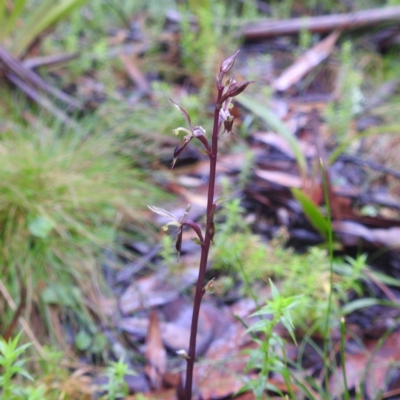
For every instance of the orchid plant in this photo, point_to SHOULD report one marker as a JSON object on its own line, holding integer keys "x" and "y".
{"x": 223, "y": 122}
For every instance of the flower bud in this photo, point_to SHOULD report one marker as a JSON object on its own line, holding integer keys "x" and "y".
{"x": 235, "y": 89}
{"x": 228, "y": 63}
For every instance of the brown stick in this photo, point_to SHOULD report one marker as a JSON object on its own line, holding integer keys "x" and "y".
{"x": 22, "y": 320}
{"x": 324, "y": 23}
{"x": 42, "y": 101}
{"x": 16, "y": 67}
{"x": 56, "y": 59}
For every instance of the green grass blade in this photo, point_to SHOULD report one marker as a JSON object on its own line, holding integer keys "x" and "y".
{"x": 9, "y": 23}
{"x": 330, "y": 299}
{"x": 45, "y": 16}
{"x": 2, "y": 14}
{"x": 277, "y": 125}
{"x": 343, "y": 358}
{"x": 366, "y": 302}
{"x": 318, "y": 221}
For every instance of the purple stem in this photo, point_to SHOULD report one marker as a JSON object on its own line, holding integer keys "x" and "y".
{"x": 205, "y": 248}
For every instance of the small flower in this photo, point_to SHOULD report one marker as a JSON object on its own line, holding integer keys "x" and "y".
{"x": 235, "y": 89}
{"x": 224, "y": 114}
{"x": 179, "y": 223}
{"x": 181, "y": 146}
{"x": 173, "y": 220}
{"x": 198, "y": 132}
{"x": 228, "y": 124}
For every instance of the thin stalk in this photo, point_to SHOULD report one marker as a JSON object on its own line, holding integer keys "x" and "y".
{"x": 343, "y": 358}
{"x": 205, "y": 249}
{"x": 330, "y": 299}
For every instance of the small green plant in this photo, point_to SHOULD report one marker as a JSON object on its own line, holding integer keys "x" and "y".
{"x": 270, "y": 355}
{"x": 116, "y": 387}
{"x": 239, "y": 250}
{"x": 235, "y": 242}
{"x": 203, "y": 42}
{"x": 15, "y": 381}
{"x": 167, "y": 254}
{"x": 339, "y": 114}
{"x": 223, "y": 122}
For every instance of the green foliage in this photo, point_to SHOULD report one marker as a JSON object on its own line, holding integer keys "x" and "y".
{"x": 339, "y": 114}
{"x": 318, "y": 221}
{"x": 11, "y": 365}
{"x": 16, "y": 383}
{"x": 62, "y": 198}
{"x": 237, "y": 249}
{"x": 40, "y": 18}
{"x": 282, "y": 9}
{"x": 168, "y": 253}
{"x": 198, "y": 46}
{"x": 270, "y": 355}
{"x": 212, "y": 35}
{"x": 234, "y": 243}
{"x": 116, "y": 386}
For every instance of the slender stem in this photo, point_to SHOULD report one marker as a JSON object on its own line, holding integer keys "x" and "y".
{"x": 205, "y": 249}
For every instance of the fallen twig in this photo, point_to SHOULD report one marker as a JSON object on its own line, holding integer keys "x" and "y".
{"x": 17, "y": 68}
{"x": 34, "y": 62}
{"x": 134, "y": 73}
{"x": 22, "y": 320}
{"x": 324, "y": 23}
{"x": 309, "y": 60}
{"x": 42, "y": 101}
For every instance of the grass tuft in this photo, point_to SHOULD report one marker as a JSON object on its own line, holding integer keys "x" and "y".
{"x": 62, "y": 199}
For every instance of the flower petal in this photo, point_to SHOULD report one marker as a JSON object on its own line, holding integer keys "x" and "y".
{"x": 184, "y": 113}
{"x": 163, "y": 213}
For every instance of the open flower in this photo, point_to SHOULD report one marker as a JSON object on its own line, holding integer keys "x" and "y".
{"x": 179, "y": 223}
{"x": 191, "y": 132}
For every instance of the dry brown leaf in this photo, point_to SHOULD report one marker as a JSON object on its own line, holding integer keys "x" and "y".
{"x": 155, "y": 354}
{"x": 379, "y": 367}
{"x": 149, "y": 291}
{"x": 309, "y": 60}
{"x": 280, "y": 178}
{"x": 351, "y": 232}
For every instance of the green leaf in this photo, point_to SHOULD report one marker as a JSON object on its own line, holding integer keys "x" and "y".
{"x": 277, "y": 125}
{"x": 99, "y": 343}
{"x": 63, "y": 296}
{"x": 364, "y": 303}
{"x": 318, "y": 221}
{"x": 11, "y": 17}
{"x": 41, "y": 227}
{"x": 83, "y": 340}
{"x": 43, "y": 17}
